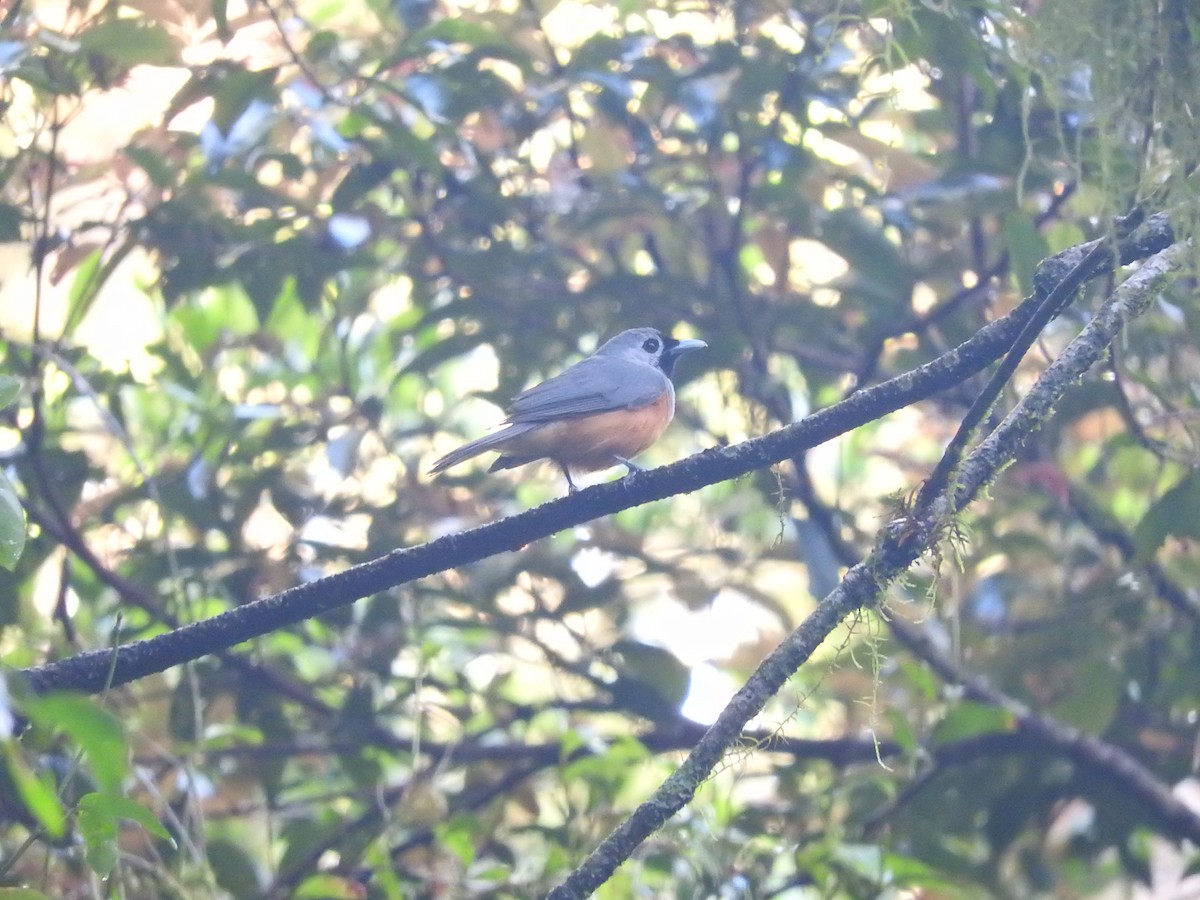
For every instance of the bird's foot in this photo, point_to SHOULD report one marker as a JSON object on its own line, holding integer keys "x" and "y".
{"x": 629, "y": 464}
{"x": 572, "y": 487}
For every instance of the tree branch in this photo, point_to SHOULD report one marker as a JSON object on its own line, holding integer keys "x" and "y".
{"x": 1172, "y": 816}
{"x": 89, "y": 671}
{"x": 899, "y": 544}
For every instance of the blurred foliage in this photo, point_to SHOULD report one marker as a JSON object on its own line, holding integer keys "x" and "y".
{"x": 262, "y": 265}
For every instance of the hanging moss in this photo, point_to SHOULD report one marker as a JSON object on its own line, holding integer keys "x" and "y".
{"x": 1125, "y": 77}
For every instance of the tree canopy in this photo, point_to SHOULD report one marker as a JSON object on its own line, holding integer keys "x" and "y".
{"x": 906, "y": 605}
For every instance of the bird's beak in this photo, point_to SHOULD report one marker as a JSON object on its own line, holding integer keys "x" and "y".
{"x": 675, "y": 349}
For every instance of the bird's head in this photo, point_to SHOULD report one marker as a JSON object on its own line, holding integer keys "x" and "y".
{"x": 649, "y": 345}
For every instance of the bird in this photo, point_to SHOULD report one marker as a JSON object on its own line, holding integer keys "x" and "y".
{"x": 600, "y": 412}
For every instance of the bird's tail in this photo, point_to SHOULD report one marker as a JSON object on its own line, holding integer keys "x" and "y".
{"x": 493, "y": 441}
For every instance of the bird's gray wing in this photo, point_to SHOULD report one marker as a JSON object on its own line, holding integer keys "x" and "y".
{"x": 593, "y": 385}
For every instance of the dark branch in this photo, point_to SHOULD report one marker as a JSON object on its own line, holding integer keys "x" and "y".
{"x": 1168, "y": 812}
{"x": 89, "y": 671}
{"x": 899, "y": 544}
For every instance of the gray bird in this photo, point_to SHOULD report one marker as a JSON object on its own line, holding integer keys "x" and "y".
{"x": 600, "y": 412}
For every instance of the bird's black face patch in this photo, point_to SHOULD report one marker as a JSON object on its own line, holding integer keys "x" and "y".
{"x": 667, "y": 361}
{"x": 673, "y": 348}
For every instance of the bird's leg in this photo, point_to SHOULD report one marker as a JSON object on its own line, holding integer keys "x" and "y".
{"x": 628, "y": 463}
{"x": 571, "y": 486}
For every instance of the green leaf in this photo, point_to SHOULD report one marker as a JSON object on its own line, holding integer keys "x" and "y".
{"x": 98, "y": 828}
{"x": 46, "y": 74}
{"x": 10, "y": 223}
{"x": 85, "y": 286}
{"x": 116, "y": 807}
{"x": 233, "y": 868}
{"x": 1193, "y": 866}
{"x": 920, "y": 679}
{"x": 221, "y": 18}
{"x": 157, "y": 168}
{"x": 1026, "y": 248}
{"x": 9, "y": 388}
{"x": 865, "y": 860}
{"x": 909, "y": 872}
{"x": 37, "y": 795}
{"x": 970, "y": 719}
{"x": 877, "y": 269}
{"x": 236, "y": 89}
{"x": 99, "y": 824}
{"x": 902, "y": 731}
{"x": 97, "y": 732}
{"x": 652, "y": 680}
{"x": 130, "y": 41}
{"x": 325, "y": 887}
{"x": 611, "y": 766}
{"x": 359, "y": 180}
{"x": 1095, "y": 697}
{"x": 1174, "y": 514}
{"x": 12, "y": 524}
{"x": 458, "y": 837}
{"x": 21, "y": 894}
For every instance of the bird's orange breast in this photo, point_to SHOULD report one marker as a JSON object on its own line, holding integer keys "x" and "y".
{"x": 589, "y": 443}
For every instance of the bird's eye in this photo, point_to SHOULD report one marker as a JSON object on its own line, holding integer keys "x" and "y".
{"x": 651, "y": 345}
